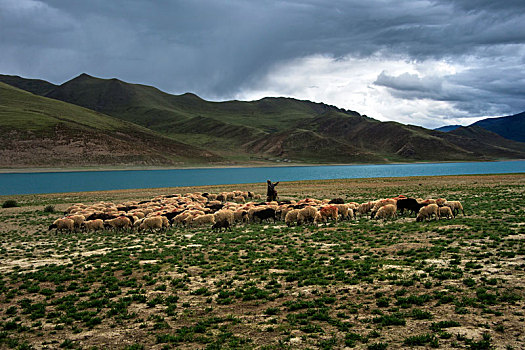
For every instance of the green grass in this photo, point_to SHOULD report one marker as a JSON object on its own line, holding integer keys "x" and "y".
{"x": 362, "y": 284}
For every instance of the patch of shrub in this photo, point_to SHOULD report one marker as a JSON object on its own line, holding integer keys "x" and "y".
{"x": 49, "y": 209}
{"x": 10, "y": 203}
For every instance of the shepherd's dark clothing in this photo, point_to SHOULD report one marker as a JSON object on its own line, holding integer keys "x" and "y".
{"x": 271, "y": 193}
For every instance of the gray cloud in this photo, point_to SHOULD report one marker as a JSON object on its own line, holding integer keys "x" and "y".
{"x": 220, "y": 48}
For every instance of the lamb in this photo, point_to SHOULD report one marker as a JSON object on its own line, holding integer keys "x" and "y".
{"x": 386, "y": 212}
{"x": 427, "y": 212}
{"x": 63, "y": 224}
{"x": 203, "y": 220}
{"x": 291, "y": 217}
{"x": 93, "y": 225}
{"x": 455, "y": 206}
{"x": 445, "y": 212}
{"x": 151, "y": 223}
{"x": 306, "y": 214}
{"x": 219, "y": 225}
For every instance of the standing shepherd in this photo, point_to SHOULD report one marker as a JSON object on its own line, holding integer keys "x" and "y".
{"x": 271, "y": 194}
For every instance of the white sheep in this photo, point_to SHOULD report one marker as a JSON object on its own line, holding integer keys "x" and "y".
{"x": 63, "y": 224}
{"x": 151, "y": 223}
{"x": 388, "y": 211}
{"x": 93, "y": 225}
{"x": 427, "y": 212}
{"x": 445, "y": 212}
{"x": 291, "y": 217}
{"x": 307, "y": 214}
{"x": 206, "y": 219}
{"x": 455, "y": 206}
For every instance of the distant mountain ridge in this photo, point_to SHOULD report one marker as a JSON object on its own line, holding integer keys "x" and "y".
{"x": 511, "y": 127}
{"x": 272, "y": 129}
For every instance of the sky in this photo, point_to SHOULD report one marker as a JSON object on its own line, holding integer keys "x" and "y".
{"x": 428, "y": 63}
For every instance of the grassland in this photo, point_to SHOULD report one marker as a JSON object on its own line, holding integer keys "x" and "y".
{"x": 361, "y": 284}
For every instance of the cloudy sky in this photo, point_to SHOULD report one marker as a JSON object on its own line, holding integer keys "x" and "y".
{"x": 428, "y": 63}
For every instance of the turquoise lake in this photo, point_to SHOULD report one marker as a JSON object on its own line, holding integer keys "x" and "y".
{"x": 76, "y": 181}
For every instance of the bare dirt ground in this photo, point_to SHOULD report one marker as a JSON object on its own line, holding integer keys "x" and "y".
{"x": 361, "y": 284}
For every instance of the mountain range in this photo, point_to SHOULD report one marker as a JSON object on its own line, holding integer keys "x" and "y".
{"x": 90, "y": 121}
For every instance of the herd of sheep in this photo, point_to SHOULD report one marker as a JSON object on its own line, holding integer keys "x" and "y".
{"x": 223, "y": 210}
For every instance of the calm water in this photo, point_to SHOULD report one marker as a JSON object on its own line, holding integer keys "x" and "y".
{"x": 24, "y": 183}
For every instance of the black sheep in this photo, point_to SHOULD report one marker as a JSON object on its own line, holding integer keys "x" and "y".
{"x": 219, "y": 225}
{"x": 409, "y": 204}
{"x": 265, "y": 214}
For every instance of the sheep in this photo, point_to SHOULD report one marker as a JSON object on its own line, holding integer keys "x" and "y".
{"x": 455, "y": 206}
{"x": 264, "y": 214}
{"x": 240, "y": 215}
{"x": 329, "y": 211}
{"x": 203, "y": 219}
{"x": 291, "y": 217}
{"x": 386, "y": 211}
{"x": 410, "y": 204}
{"x": 118, "y": 223}
{"x": 344, "y": 212}
{"x": 151, "y": 223}
{"x": 219, "y": 225}
{"x": 427, "y": 212}
{"x": 62, "y": 224}
{"x": 382, "y": 203}
{"x": 77, "y": 219}
{"x": 365, "y": 207}
{"x": 441, "y": 202}
{"x": 93, "y": 225}
{"x": 445, "y": 212}
{"x": 224, "y": 215}
{"x": 306, "y": 214}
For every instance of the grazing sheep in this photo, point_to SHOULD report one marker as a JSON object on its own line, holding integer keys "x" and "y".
{"x": 118, "y": 223}
{"x": 151, "y": 223}
{"x": 219, "y": 225}
{"x": 63, "y": 224}
{"x": 441, "y": 202}
{"x": 329, "y": 211}
{"x": 455, "y": 206}
{"x": 388, "y": 211}
{"x": 344, "y": 211}
{"x": 78, "y": 220}
{"x": 410, "y": 204}
{"x": 239, "y": 199}
{"x": 445, "y": 212}
{"x": 306, "y": 214}
{"x": 224, "y": 215}
{"x": 264, "y": 214}
{"x": 93, "y": 225}
{"x": 427, "y": 212}
{"x": 206, "y": 219}
{"x": 240, "y": 216}
{"x": 365, "y": 208}
{"x": 291, "y": 217}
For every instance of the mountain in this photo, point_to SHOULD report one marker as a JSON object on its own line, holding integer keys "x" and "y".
{"x": 36, "y": 86}
{"x": 39, "y": 131}
{"x": 273, "y": 129}
{"x": 447, "y": 128}
{"x": 511, "y": 127}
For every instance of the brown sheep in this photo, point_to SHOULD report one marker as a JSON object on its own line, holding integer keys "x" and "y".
{"x": 386, "y": 212}
{"x": 427, "y": 212}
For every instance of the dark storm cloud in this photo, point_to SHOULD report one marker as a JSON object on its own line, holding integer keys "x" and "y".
{"x": 218, "y": 48}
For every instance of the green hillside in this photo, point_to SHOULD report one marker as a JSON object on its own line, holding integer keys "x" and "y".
{"x": 38, "y": 131}
{"x": 270, "y": 129}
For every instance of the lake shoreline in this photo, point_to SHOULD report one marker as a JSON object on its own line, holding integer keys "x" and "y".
{"x": 31, "y": 170}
